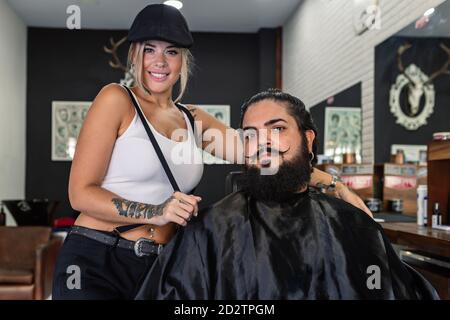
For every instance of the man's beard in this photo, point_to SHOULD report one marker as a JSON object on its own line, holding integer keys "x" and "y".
{"x": 292, "y": 176}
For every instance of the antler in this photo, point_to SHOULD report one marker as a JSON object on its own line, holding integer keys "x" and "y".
{"x": 400, "y": 52}
{"x": 444, "y": 69}
{"x": 116, "y": 64}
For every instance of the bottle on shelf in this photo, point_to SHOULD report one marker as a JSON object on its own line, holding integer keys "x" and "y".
{"x": 436, "y": 219}
{"x": 422, "y": 205}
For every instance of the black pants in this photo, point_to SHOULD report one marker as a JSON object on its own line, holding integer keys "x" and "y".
{"x": 88, "y": 269}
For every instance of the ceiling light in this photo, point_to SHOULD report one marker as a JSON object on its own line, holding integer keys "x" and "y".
{"x": 429, "y": 12}
{"x": 174, "y": 3}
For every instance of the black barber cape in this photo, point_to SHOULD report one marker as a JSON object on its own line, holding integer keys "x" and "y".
{"x": 312, "y": 247}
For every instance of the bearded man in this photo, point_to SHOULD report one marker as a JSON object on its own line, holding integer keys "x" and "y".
{"x": 277, "y": 238}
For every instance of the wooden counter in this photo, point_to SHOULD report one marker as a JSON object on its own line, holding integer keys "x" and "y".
{"x": 425, "y": 239}
{"x": 431, "y": 242}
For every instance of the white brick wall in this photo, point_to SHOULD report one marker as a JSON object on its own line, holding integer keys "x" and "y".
{"x": 322, "y": 55}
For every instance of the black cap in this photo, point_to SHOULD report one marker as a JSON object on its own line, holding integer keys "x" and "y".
{"x": 161, "y": 22}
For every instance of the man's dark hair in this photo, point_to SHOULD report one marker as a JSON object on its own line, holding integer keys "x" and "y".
{"x": 295, "y": 107}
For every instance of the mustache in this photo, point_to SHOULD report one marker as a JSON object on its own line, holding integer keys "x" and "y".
{"x": 263, "y": 149}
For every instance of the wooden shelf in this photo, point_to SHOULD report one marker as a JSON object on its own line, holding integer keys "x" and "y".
{"x": 439, "y": 178}
{"x": 439, "y": 150}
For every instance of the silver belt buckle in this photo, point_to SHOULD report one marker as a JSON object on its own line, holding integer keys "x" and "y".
{"x": 138, "y": 247}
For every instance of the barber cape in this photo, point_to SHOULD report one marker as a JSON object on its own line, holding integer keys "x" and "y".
{"x": 312, "y": 247}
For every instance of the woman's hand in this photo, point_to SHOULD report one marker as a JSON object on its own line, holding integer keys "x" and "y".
{"x": 341, "y": 191}
{"x": 179, "y": 208}
{"x": 344, "y": 193}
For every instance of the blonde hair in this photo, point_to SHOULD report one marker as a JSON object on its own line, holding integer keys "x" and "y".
{"x": 136, "y": 65}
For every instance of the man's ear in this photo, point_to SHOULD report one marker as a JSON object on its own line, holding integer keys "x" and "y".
{"x": 310, "y": 136}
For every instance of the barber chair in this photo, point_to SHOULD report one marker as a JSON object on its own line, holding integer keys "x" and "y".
{"x": 233, "y": 182}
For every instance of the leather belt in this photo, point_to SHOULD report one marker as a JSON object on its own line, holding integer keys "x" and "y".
{"x": 141, "y": 247}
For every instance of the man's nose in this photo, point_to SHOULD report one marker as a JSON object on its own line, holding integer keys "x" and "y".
{"x": 265, "y": 137}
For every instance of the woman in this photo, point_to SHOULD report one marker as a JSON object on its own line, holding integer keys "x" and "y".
{"x": 123, "y": 174}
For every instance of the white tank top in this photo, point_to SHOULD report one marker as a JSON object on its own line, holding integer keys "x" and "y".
{"x": 135, "y": 172}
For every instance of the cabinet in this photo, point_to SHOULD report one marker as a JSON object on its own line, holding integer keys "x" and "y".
{"x": 439, "y": 178}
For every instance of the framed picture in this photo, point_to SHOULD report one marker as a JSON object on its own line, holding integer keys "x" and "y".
{"x": 222, "y": 113}
{"x": 342, "y": 132}
{"x": 67, "y": 119}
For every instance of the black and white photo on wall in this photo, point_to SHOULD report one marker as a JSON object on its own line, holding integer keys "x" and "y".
{"x": 339, "y": 125}
{"x": 67, "y": 120}
{"x": 222, "y": 113}
{"x": 342, "y": 132}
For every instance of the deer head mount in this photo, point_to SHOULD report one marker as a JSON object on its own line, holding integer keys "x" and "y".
{"x": 418, "y": 85}
{"x": 115, "y": 63}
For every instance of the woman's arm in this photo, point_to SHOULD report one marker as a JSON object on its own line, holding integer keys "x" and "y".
{"x": 93, "y": 153}
{"x": 341, "y": 191}
{"x": 218, "y": 139}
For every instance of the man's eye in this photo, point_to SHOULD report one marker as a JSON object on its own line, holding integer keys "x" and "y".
{"x": 279, "y": 129}
{"x": 250, "y": 135}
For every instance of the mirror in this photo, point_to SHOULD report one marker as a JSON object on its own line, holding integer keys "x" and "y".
{"x": 412, "y": 85}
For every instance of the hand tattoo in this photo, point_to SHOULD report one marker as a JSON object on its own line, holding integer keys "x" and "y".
{"x": 138, "y": 210}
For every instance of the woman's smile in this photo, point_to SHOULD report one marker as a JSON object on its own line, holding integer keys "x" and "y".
{"x": 158, "y": 76}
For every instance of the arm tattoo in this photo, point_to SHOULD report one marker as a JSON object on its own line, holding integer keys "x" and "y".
{"x": 138, "y": 210}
